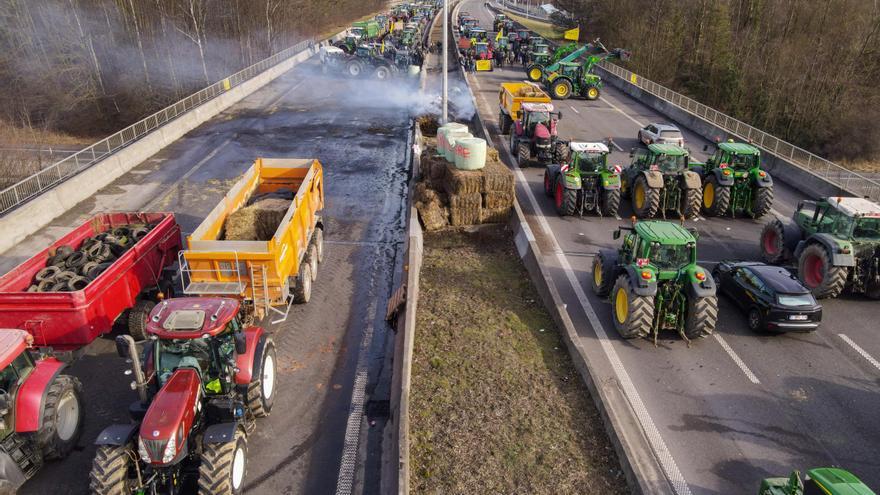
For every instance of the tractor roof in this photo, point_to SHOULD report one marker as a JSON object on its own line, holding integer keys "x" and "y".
{"x": 332, "y": 50}
{"x": 667, "y": 233}
{"x": 537, "y": 107}
{"x": 191, "y": 317}
{"x": 838, "y": 481}
{"x": 739, "y": 148}
{"x": 588, "y": 147}
{"x": 12, "y": 343}
{"x": 855, "y": 207}
{"x": 667, "y": 149}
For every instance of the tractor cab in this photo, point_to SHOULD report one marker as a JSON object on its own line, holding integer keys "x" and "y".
{"x": 589, "y": 157}
{"x": 740, "y": 157}
{"x": 659, "y": 248}
{"x": 482, "y": 51}
{"x": 664, "y": 158}
{"x": 854, "y": 219}
{"x": 819, "y": 481}
{"x": 537, "y": 121}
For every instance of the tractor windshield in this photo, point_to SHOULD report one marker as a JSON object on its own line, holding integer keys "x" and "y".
{"x": 670, "y": 163}
{"x": 591, "y": 161}
{"x": 745, "y": 161}
{"x": 182, "y": 353}
{"x": 670, "y": 257}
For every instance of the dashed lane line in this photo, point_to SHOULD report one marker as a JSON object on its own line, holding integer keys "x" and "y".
{"x": 861, "y": 351}
{"x": 573, "y": 109}
{"x": 612, "y": 105}
{"x": 162, "y": 197}
{"x": 736, "y": 359}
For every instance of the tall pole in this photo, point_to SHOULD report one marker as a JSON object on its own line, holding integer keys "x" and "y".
{"x": 445, "y": 118}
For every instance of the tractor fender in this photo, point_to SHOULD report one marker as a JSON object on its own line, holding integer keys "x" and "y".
{"x": 117, "y": 434}
{"x": 641, "y": 286}
{"x": 759, "y": 181}
{"x": 699, "y": 288}
{"x": 248, "y": 363}
{"x": 572, "y": 180}
{"x": 832, "y": 246}
{"x": 31, "y": 398}
{"x": 654, "y": 178}
{"x": 691, "y": 180}
{"x": 723, "y": 180}
{"x": 610, "y": 180}
{"x": 220, "y": 432}
{"x": 553, "y": 173}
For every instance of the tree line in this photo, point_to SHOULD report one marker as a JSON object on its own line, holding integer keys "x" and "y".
{"x": 89, "y": 67}
{"x": 806, "y": 72}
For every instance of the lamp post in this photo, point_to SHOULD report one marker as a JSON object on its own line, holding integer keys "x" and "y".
{"x": 445, "y": 117}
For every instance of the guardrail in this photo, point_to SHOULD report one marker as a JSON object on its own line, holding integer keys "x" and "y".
{"x": 45, "y": 179}
{"x": 845, "y": 178}
{"x": 527, "y": 12}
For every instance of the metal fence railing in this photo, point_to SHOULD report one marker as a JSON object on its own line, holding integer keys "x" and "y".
{"x": 530, "y": 9}
{"x": 56, "y": 173}
{"x": 843, "y": 177}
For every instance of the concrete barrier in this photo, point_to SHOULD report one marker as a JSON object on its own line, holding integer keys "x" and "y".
{"x": 35, "y": 214}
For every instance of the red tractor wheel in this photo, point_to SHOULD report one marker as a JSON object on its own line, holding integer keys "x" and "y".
{"x": 818, "y": 273}
{"x": 62, "y": 420}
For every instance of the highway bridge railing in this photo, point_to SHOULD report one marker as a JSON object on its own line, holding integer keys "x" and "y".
{"x": 45, "y": 179}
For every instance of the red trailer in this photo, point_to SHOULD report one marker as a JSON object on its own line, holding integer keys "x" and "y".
{"x": 67, "y": 321}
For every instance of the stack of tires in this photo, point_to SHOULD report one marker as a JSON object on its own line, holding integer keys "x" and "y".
{"x": 70, "y": 270}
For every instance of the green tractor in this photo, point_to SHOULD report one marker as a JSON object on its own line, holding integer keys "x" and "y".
{"x": 819, "y": 481}
{"x": 836, "y": 242}
{"x": 585, "y": 183}
{"x": 659, "y": 180}
{"x": 540, "y": 54}
{"x": 734, "y": 182}
{"x": 535, "y": 70}
{"x": 655, "y": 283}
{"x": 567, "y": 77}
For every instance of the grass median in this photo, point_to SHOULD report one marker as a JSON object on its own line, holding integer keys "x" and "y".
{"x": 497, "y": 406}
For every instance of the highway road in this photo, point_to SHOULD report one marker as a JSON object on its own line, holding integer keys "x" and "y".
{"x": 362, "y": 143}
{"x": 735, "y": 407}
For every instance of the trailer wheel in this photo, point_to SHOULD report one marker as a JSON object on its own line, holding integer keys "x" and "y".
{"x": 303, "y": 290}
{"x": 318, "y": 240}
{"x": 137, "y": 318}
{"x": 223, "y": 466}
{"x": 312, "y": 259}
{"x": 261, "y": 390}
{"x": 62, "y": 420}
{"x": 110, "y": 470}
{"x": 702, "y": 315}
{"x": 818, "y": 274}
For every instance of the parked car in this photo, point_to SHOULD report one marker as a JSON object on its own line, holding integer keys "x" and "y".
{"x": 773, "y": 298}
{"x": 661, "y": 134}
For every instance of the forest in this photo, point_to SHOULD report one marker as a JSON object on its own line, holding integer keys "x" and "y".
{"x": 805, "y": 71}
{"x": 89, "y": 67}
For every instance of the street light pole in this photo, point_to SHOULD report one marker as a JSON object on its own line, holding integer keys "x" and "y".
{"x": 445, "y": 118}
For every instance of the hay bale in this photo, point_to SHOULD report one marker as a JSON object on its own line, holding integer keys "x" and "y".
{"x": 257, "y": 222}
{"x": 494, "y": 215}
{"x": 498, "y": 199}
{"x": 423, "y": 192}
{"x": 433, "y": 215}
{"x": 464, "y": 216}
{"x": 429, "y": 125}
{"x": 492, "y": 155}
{"x": 432, "y": 166}
{"x": 497, "y": 177}
{"x": 467, "y": 201}
{"x": 458, "y": 181}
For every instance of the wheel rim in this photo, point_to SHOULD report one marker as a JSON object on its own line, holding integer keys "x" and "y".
{"x": 238, "y": 467}
{"x": 621, "y": 305}
{"x": 708, "y": 195}
{"x": 597, "y": 273}
{"x": 813, "y": 271}
{"x": 561, "y": 90}
{"x": 593, "y": 93}
{"x": 67, "y": 415}
{"x": 559, "y": 195}
{"x": 639, "y": 196}
{"x": 268, "y": 376}
{"x": 535, "y": 74}
{"x": 770, "y": 242}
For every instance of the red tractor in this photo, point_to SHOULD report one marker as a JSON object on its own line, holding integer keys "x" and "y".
{"x": 534, "y": 135}
{"x": 203, "y": 381}
{"x": 41, "y": 413}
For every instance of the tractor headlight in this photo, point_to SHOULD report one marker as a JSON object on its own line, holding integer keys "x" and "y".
{"x": 170, "y": 451}
{"x": 142, "y": 450}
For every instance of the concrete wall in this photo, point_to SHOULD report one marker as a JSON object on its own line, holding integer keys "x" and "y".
{"x": 38, "y": 212}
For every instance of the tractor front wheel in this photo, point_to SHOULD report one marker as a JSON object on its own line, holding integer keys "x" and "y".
{"x": 110, "y": 470}
{"x": 383, "y": 73}
{"x": 523, "y": 155}
{"x": 261, "y": 390}
{"x": 609, "y": 202}
{"x": 645, "y": 200}
{"x": 355, "y": 68}
{"x": 818, "y": 274}
{"x": 223, "y": 466}
{"x": 633, "y": 315}
{"x": 763, "y": 202}
{"x": 62, "y": 417}
{"x": 560, "y": 89}
{"x": 773, "y": 242}
{"x": 716, "y": 198}
{"x": 592, "y": 93}
{"x": 702, "y": 315}
{"x": 603, "y": 274}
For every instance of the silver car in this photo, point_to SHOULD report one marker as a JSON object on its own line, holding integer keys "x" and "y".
{"x": 661, "y": 134}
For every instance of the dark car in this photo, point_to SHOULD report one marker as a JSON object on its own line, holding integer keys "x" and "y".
{"x": 774, "y": 299}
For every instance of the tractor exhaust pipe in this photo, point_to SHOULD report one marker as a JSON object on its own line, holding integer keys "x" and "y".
{"x": 126, "y": 348}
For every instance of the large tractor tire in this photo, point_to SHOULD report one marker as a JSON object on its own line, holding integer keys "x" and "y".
{"x": 603, "y": 274}
{"x": 609, "y": 202}
{"x": 873, "y": 290}
{"x": 564, "y": 199}
{"x": 138, "y": 317}
{"x": 561, "y": 152}
{"x": 523, "y": 155}
{"x": 633, "y": 315}
{"x": 716, "y": 198}
{"x": 382, "y": 73}
{"x": 550, "y": 173}
{"x": 818, "y": 274}
{"x": 355, "y": 68}
{"x": 763, "y": 202}
{"x": 504, "y": 122}
{"x": 302, "y": 292}
{"x": 702, "y": 315}
{"x": 560, "y": 89}
{"x": 223, "y": 467}
{"x": 772, "y": 242}
{"x": 511, "y": 142}
{"x": 645, "y": 201}
{"x": 535, "y": 73}
{"x": 592, "y": 93}
{"x": 261, "y": 390}
{"x": 110, "y": 470}
{"x": 62, "y": 419}
{"x": 690, "y": 206}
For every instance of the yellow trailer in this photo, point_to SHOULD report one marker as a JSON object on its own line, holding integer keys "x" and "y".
{"x": 512, "y": 96}
{"x": 270, "y": 274}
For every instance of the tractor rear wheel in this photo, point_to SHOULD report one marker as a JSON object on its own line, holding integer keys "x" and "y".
{"x": 763, "y": 202}
{"x": 504, "y": 122}
{"x": 818, "y": 274}
{"x": 561, "y": 151}
{"x": 62, "y": 419}
{"x": 633, "y": 315}
{"x": 535, "y": 73}
{"x": 355, "y": 68}
{"x": 690, "y": 207}
{"x": 610, "y": 202}
{"x": 523, "y": 155}
{"x": 716, "y": 198}
{"x": 223, "y": 466}
{"x": 560, "y": 89}
{"x": 137, "y": 318}
{"x": 383, "y": 73}
{"x": 261, "y": 390}
{"x": 110, "y": 470}
{"x": 645, "y": 200}
{"x": 303, "y": 290}
{"x": 603, "y": 274}
{"x": 773, "y": 242}
{"x": 550, "y": 173}
{"x": 702, "y": 315}
{"x": 564, "y": 198}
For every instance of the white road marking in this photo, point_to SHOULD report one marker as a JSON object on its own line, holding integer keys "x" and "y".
{"x": 573, "y": 109}
{"x": 861, "y": 351}
{"x": 157, "y": 200}
{"x": 736, "y": 359}
{"x": 616, "y": 146}
{"x": 612, "y": 105}
{"x": 652, "y": 433}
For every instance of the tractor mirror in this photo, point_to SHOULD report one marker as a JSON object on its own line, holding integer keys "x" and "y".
{"x": 122, "y": 346}
{"x": 616, "y": 234}
{"x": 240, "y": 343}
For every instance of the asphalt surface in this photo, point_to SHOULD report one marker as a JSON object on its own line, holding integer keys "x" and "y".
{"x": 735, "y": 407}
{"x": 361, "y": 140}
